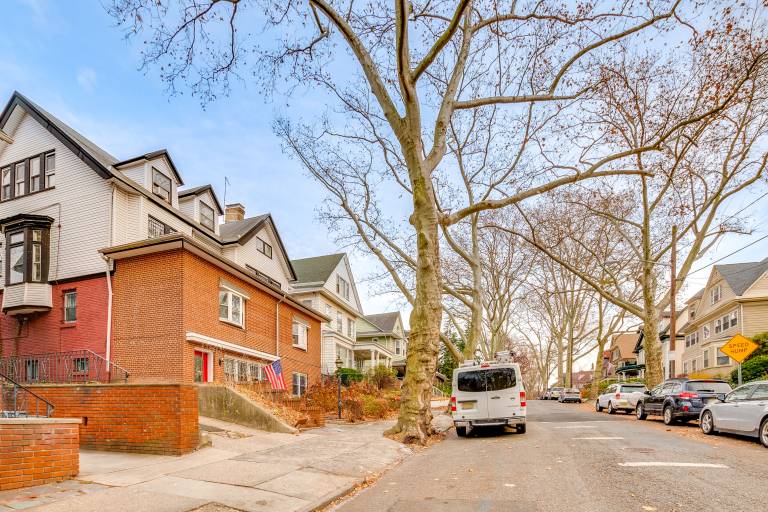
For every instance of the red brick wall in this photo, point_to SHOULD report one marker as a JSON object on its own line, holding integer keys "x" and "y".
{"x": 36, "y": 452}
{"x": 143, "y": 418}
{"x": 47, "y": 332}
{"x": 160, "y": 297}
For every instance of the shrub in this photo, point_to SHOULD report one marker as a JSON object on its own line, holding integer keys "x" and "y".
{"x": 374, "y": 407}
{"x": 349, "y": 375}
{"x": 762, "y": 340}
{"x": 752, "y": 369}
{"x": 381, "y": 377}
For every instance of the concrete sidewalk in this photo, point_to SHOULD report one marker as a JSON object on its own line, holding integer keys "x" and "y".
{"x": 244, "y": 469}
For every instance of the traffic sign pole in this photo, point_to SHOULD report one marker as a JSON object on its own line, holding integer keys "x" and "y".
{"x": 739, "y": 374}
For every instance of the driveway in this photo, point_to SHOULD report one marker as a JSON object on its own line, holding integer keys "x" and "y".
{"x": 572, "y": 459}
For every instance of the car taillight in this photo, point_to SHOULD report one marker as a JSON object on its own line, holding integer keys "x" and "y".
{"x": 686, "y": 394}
{"x": 522, "y": 399}
{"x": 618, "y": 395}
{"x": 453, "y": 404}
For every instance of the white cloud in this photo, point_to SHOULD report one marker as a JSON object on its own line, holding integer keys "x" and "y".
{"x": 86, "y": 77}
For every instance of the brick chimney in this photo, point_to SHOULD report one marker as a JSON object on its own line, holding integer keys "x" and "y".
{"x": 234, "y": 212}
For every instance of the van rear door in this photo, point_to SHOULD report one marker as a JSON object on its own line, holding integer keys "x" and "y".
{"x": 503, "y": 395}
{"x": 471, "y": 397}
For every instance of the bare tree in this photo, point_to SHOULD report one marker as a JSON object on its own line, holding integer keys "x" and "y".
{"x": 399, "y": 75}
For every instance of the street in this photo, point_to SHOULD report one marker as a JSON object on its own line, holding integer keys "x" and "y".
{"x": 573, "y": 459}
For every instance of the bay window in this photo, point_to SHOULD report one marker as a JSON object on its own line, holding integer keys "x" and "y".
{"x": 231, "y": 307}
{"x": 26, "y": 249}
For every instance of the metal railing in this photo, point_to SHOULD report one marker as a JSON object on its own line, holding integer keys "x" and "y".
{"x": 16, "y": 401}
{"x": 78, "y": 366}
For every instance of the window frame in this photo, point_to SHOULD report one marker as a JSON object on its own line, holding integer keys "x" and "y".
{"x": 65, "y": 307}
{"x": 296, "y": 337}
{"x": 263, "y": 247}
{"x": 339, "y": 321}
{"x": 230, "y": 295}
{"x": 715, "y": 294}
{"x": 705, "y": 331}
{"x": 351, "y": 327}
{"x": 9, "y": 170}
{"x": 342, "y": 287}
{"x": 212, "y": 219}
{"x": 157, "y": 186}
{"x": 718, "y": 325}
{"x": 734, "y": 318}
{"x": 302, "y": 384}
{"x": 719, "y": 356}
{"x": 706, "y": 359}
{"x": 27, "y": 227}
{"x": 23, "y": 182}
{"x": 167, "y": 230}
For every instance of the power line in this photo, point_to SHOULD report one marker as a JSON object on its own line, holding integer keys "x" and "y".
{"x": 729, "y": 255}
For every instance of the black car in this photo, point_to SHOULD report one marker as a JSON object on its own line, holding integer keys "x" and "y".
{"x": 680, "y": 399}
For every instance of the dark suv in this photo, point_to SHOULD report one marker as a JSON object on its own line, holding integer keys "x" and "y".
{"x": 680, "y": 399}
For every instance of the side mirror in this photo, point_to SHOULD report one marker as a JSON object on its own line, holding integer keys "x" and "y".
{"x": 647, "y": 392}
{"x": 721, "y": 397}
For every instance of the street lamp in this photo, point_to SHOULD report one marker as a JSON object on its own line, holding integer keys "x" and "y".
{"x": 339, "y": 364}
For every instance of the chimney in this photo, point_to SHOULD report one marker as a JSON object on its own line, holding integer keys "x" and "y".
{"x": 234, "y": 212}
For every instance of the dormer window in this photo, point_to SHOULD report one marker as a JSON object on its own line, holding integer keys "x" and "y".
{"x": 715, "y": 294}
{"x": 207, "y": 217}
{"x": 161, "y": 185}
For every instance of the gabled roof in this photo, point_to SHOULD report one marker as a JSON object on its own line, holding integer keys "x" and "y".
{"x": 384, "y": 321}
{"x": 740, "y": 276}
{"x": 196, "y": 191}
{"x": 151, "y": 156}
{"x": 240, "y": 231}
{"x": 93, "y": 156}
{"x": 317, "y": 269}
{"x": 625, "y": 342}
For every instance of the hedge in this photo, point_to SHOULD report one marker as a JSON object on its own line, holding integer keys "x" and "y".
{"x": 752, "y": 369}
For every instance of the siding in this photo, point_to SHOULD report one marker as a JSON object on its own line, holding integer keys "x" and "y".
{"x": 248, "y": 254}
{"x": 80, "y": 204}
{"x": 759, "y": 288}
{"x": 755, "y": 317}
{"x": 330, "y": 285}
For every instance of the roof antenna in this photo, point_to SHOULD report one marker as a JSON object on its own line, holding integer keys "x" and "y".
{"x": 226, "y": 182}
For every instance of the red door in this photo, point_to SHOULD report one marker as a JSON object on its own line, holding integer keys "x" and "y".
{"x": 201, "y": 366}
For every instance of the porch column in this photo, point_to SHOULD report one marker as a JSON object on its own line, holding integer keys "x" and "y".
{"x": 372, "y": 358}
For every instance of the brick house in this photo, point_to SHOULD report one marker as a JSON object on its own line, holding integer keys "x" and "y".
{"x": 113, "y": 257}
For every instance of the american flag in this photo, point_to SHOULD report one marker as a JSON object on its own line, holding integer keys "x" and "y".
{"x": 274, "y": 373}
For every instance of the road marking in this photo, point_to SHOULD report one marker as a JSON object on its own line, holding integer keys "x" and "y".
{"x": 671, "y": 464}
{"x": 596, "y": 438}
{"x": 579, "y": 426}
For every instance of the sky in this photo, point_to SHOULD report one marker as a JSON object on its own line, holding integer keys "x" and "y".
{"x": 71, "y": 59}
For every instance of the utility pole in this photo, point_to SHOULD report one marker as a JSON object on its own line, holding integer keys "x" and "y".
{"x": 673, "y": 295}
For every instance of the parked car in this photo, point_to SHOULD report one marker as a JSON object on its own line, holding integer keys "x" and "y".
{"x": 570, "y": 395}
{"x": 620, "y": 397}
{"x": 547, "y": 394}
{"x": 680, "y": 399}
{"x": 742, "y": 411}
{"x": 488, "y": 394}
{"x": 555, "y": 393}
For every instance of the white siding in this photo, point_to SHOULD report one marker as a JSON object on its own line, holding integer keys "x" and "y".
{"x": 136, "y": 173}
{"x": 248, "y": 254}
{"x": 127, "y": 226}
{"x": 342, "y": 269}
{"x": 187, "y": 206}
{"x": 80, "y": 203}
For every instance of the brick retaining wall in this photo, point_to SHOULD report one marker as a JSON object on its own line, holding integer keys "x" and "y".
{"x": 142, "y": 418}
{"x": 36, "y": 451}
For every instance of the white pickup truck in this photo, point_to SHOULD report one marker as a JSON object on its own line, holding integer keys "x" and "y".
{"x": 620, "y": 397}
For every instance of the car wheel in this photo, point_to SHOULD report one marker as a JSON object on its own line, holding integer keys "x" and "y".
{"x": 611, "y": 410}
{"x": 461, "y": 431}
{"x": 669, "y": 418}
{"x": 520, "y": 428}
{"x": 597, "y": 406}
{"x": 707, "y": 423}
{"x": 764, "y": 432}
{"x": 640, "y": 412}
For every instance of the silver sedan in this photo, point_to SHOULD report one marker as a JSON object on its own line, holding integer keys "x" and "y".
{"x": 742, "y": 411}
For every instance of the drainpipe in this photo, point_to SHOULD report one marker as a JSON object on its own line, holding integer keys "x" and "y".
{"x": 277, "y": 326}
{"x": 109, "y": 311}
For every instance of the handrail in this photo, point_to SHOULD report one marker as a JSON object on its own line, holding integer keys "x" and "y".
{"x": 78, "y": 366}
{"x": 16, "y": 411}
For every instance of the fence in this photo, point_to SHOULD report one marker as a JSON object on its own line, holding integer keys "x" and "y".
{"x": 75, "y": 367}
{"x": 16, "y": 401}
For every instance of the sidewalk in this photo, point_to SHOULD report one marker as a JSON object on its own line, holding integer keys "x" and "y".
{"x": 244, "y": 469}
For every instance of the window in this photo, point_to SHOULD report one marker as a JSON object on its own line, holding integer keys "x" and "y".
{"x": 32, "y": 367}
{"x": 230, "y": 368}
{"x": 722, "y": 359}
{"x": 156, "y": 228}
{"x": 672, "y": 372}
{"x": 26, "y": 251}
{"x": 207, "y": 217}
{"x": 231, "y": 307}
{"x": 242, "y": 371}
{"x": 342, "y": 287}
{"x": 6, "y": 190}
{"x": 81, "y": 365}
{"x": 299, "y": 384}
{"x": 300, "y": 332}
{"x": 715, "y": 294}
{"x": 706, "y": 358}
{"x": 50, "y": 169}
{"x": 16, "y": 257}
{"x": 20, "y": 178}
{"x": 256, "y": 372}
{"x": 705, "y": 331}
{"x": 693, "y": 365}
{"x": 339, "y": 322}
{"x": 739, "y": 394}
{"x": 34, "y": 174}
{"x": 350, "y": 328}
{"x": 161, "y": 185}
{"x": 734, "y": 318}
{"x": 307, "y": 302}
{"x": 398, "y": 347}
{"x": 264, "y": 247}
{"x": 685, "y": 368}
{"x": 718, "y": 326}
{"x": 70, "y": 306}
{"x": 760, "y": 392}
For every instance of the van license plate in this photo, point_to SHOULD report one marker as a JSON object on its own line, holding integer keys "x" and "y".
{"x": 465, "y": 406}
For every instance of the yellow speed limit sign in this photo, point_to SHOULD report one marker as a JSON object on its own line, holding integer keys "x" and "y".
{"x": 738, "y": 348}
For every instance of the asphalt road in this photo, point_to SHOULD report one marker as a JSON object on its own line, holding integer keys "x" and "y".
{"x": 572, "y": 459}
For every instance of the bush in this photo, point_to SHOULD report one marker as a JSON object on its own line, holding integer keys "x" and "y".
{"x": 349, "y": 375}
{"x": 762, "y": 340}
{"x": 381, "y": 377}
{"x": 752, "y": 369}
{"x": 374, "y": 407}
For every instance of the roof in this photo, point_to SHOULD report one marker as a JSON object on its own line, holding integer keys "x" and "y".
{"x": 316, "y": 269}
{"x": 196, "y": 191}
{"x": 235, "y": 230}
{"x": 625, "y": 342}
{"x": 384, "y": 321}
{"x": 151, "y": 156}
{"x": 740, "y": 276}
{"x": 582, "y": 376}
{"x": 695, "y": 296}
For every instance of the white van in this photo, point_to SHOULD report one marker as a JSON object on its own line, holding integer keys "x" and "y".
{"x": 487, "y": 394}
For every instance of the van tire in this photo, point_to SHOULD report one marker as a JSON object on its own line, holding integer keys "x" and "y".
{"x": 520, "y": 428}
{"x": 461, "y": 431}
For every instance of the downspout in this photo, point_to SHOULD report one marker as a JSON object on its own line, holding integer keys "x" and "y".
{"x": 277, "y": 325}
{"x": 109, "y": 312}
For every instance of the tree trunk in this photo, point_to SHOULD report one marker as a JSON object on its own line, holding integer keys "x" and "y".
{"x": 597, "y": 375}
{"x": 423, "y": 345}
{"x": 652, "y": 346}
{"x": 476, "y": 320}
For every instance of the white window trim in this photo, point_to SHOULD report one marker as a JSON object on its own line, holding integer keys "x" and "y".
{"x": 712, "y": 299}
{"x": 232, "y": 347}
{"x": 306, "y": 383}
{"x": 229, "y": 320}
{"x": 299, "y": 345}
